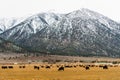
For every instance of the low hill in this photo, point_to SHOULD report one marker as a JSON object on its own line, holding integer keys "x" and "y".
{"x": 7, "y": 46}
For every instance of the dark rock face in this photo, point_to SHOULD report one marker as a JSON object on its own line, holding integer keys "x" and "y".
{"x": 7, "y": 46}
{"x": 82, "y": 32}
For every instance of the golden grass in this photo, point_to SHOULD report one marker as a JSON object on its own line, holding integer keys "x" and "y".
{"x": 79, "y": 73}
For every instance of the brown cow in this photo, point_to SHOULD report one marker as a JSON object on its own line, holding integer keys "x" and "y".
{"x": 61, "y": 68}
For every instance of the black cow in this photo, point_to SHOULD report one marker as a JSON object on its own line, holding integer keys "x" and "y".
{"x": 68, "y": 66}
{"x": 105, "y": 67}
{"x": 21, "y": 66}
{"x": 61, "y": 68}
{"x": 47, "y": 67}
{"x": 87, "y": 68}
{"x": 10, "y": 67}
{"x": 75, "y": 66}
{"x": 4, "y": 67}
{"x": 36, "y": 67}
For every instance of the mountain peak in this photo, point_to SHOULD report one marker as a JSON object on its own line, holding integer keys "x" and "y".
{"x": 85, "y": 13}
{"x": 81, "y": 32}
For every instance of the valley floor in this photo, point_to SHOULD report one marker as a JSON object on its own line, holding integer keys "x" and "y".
{"x": 78, "y": 73}
{"x": 33, "y": 58}
{"x": 73, "y": 73}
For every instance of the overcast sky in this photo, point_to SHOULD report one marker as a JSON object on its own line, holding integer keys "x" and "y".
{"x": 21, "y": 8}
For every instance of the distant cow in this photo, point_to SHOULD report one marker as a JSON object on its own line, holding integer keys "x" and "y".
{"x": 74, "y": 66}
{"x": 81, "y": 65}
{"x": 68, "y": 66}
{"x": 57, "y": 66}
{"x": 101, "y": 66}
{"x": 36, "y": 67}
{"x": 42, "y": 66}
{"x": 4, "y": 67}
{"x": 87, "y": 68}
{"x": 105, "y": 67}
{"x": 10, "y": 67}
{"x": 47, "y": 67}
{"x": 21, "y": 66}
{"x": 61, "y": 68}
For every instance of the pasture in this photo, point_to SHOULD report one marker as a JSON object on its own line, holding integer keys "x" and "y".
{"x": 74, "y": 73}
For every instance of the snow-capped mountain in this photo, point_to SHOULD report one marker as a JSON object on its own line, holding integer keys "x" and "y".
{"x": 82, "y": 32}
{"x": 7, "y": 23}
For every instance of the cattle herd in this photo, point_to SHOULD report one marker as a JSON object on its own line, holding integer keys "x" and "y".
{"x": 59, "y": 67}
{"x": 7, "y": 67}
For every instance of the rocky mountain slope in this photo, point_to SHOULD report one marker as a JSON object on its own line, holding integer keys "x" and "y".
{"x": 82, "y": 32}
{"x": 7, "y": 46}
{"x": 7, "y": 23}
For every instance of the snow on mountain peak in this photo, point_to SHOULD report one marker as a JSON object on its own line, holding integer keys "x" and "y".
{"x": 81, "y": 31}
{"x": 55, "y": 21}
{"x": 85, "y": 13}
{"x": 7, "y": 23}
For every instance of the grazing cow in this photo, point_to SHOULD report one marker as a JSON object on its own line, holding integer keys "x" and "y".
{"x": 10, "y": 67}
{"x": 92, "y": 65}
{"x": 61, "y": 68}
{"x": 21, "y": 66}
{"x": 42, "y": 66}
{"x": 75, "y": 66}
{"x": 115, "y": 65}
{"x": 105, "y": 67}
{"x": 111, "y": 65}
{"x": 87, "y": 68}
{"x": 68, "y": 66}
{"x": 47, "y": 67}
{"x": 36, "y": 67}
{"x": 81, "y": 65}
{"x": 4, "y": 67}
{"x": 101, "y": 66}
{"x": 57, "y": 66}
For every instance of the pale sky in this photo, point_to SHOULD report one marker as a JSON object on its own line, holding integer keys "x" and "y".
{"x": 21, "y": 8}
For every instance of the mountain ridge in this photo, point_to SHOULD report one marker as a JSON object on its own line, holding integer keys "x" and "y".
{"x": 82, "y": 32}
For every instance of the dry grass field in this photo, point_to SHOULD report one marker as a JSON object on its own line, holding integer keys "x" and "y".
{"x": 74, "y": 73}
